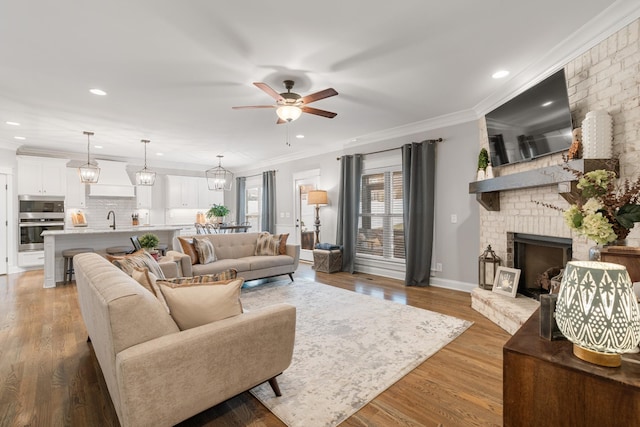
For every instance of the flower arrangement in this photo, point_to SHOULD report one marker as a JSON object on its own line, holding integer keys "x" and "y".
{"x": 604, "y": 210}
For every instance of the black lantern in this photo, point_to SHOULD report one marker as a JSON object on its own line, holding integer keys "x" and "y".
{"x": 488, "y": 263}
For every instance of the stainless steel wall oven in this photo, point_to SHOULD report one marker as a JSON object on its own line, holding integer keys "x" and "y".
{"x": 38, "y": 214}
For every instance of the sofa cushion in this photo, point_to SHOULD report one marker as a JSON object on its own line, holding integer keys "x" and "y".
{"x": 229, "y": 274}
{"x": 260, "y": 262}
{"x": 194, "y": 305}
{"x": 188, "y": 248}
{"x": 206, "y": 252}
{"x": 239, "y": 265}
{"x": 139, "y": 258}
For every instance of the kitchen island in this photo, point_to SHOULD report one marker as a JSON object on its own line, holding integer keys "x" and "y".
{"x": 56, "y": 241}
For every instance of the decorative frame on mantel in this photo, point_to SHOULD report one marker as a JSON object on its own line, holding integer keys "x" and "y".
{"x": 488, "y": 191}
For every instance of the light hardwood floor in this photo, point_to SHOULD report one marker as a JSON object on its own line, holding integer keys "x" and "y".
{"x": 49, "y": 374}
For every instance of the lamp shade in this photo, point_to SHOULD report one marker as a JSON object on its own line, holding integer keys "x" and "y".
{"x": 597, "y": 311}
{"x": 317, "y": 197}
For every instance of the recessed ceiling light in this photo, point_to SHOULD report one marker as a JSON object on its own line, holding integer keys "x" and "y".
{"x": 546, "y": 104}
{"x": 500, "y": 74}
{"x": 21, "y": 138}
{"x": 98, "y": 146}
{"x": 98, "y": 92}
{"x": 159, "y": 154}
{"x": 300, "y": 136}
{"x": 13, "y": 123}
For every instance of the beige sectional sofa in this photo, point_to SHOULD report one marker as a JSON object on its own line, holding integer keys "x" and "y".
{"x": 237, "y": 250}
{"x": 158, "y": 375}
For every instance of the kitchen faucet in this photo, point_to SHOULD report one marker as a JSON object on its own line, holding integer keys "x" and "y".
{"x": 113, "y": 225}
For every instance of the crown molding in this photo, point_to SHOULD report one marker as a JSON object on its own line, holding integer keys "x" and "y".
{"x": 608, "y": 22}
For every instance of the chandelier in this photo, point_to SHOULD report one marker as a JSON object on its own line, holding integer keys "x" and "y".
{"x": 145, "y": 176}
{"x": 88, "y": 173}
{"x": 218, "y": 178}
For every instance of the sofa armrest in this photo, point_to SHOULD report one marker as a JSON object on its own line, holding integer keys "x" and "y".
{"x": 294, "y": 252}
{"x": 183, "y": 262}
{"x": 171, "y": 378}
{"x": 169, "y": 268}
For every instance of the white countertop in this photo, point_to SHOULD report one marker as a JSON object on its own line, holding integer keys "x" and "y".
{"x": 124, "y": 229}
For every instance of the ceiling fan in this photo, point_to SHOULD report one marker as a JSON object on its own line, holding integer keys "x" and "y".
{"x": 291, "y": 105}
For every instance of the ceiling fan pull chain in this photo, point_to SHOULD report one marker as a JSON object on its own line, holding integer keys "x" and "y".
{"x": 288, "y": 143}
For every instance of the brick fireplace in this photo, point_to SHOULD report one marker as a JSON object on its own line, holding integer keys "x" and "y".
{"x": 604, "y": 77}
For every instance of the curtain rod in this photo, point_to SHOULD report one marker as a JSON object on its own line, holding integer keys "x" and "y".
{"x": 257, "y": 174}
{"x": 429, "y": 141}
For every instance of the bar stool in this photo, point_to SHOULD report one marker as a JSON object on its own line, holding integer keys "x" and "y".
{"x": 162, "y": 248}
{"x": 119, "y": 250}
{"x": 67, "y": 257}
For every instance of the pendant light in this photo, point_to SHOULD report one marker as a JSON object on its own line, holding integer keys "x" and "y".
{"x": 88, "y": 173}
{"x": 218, "y": 178}
{"x": 145, "y": 176}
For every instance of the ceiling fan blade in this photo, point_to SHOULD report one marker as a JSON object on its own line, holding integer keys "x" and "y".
{"x": 268, "y": 90}
{"x": 323, "y": 113}
{"x": 280, "y": 121}
{"x": 253, "y": 106}
{"x": 319, "y": 95}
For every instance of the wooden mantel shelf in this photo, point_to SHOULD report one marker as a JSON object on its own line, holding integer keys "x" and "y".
{"x": 488, "y": 191}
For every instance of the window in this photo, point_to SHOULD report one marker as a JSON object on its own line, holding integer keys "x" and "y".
{"x": 253, "y": 204}
{"x": 381, "y": 224}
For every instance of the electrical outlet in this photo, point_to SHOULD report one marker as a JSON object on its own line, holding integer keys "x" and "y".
{"x": 454, "y": 218}
{"x": 438, "y": 266}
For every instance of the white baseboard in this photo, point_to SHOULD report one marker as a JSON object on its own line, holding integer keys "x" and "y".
{"x": 453, "y": 284}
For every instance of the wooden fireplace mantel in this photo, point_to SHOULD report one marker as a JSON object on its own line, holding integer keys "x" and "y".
{"x": 488, "y": 191}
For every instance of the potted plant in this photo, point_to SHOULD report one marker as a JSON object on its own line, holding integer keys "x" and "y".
{"x": 218, "y": 211}
{"x": 483, "y": 162}
{"x": 149, "y": 242}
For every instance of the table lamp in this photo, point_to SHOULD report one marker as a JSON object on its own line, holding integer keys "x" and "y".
{"x": 598, "y": 312}
{"x": 317, "y": 197}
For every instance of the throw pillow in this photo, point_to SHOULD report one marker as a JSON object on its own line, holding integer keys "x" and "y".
{"x": 188, "y": 248}
{"x": 267, "y": 244}
{"x": 229, "y": 274}
{"x": 149, "y": 282}
{"x": 282, "y": 249}
{"x": 139, "y": 258}
{"x": 196, "y": 305}
{"x": 206, "y": 253}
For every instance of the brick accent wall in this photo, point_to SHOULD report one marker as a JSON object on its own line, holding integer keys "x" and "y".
{"x": 606, "y": 77}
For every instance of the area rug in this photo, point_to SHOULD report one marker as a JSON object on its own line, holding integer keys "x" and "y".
{"x": 349, "y": 348}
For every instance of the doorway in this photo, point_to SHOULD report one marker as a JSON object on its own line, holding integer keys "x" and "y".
{"x": 305, "y": 213}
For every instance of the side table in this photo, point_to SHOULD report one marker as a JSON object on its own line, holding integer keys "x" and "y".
{"x": 327, "y": 261}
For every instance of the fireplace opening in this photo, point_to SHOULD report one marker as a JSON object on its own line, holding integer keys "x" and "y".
{"x": 539, "y": 259}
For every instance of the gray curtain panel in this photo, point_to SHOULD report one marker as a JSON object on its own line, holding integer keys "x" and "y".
{"x": 241, "y": 196}
{"x": 418, "y": 172}
{"x": 269, "y": 201}
{"x": 348, "y": 202}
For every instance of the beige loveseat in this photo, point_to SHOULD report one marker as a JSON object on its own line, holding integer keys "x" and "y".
{"x": 236, "y": 250}
{"x": 158, "y": 375}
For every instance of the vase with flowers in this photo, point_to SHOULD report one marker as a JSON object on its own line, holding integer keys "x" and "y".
{"x": 605, "y": 209}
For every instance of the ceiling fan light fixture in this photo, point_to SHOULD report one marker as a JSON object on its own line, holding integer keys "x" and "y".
{"x": 218, "y": 178}
{"x": 88, "y": 173}
{"x": 144, "y": 176}
{"x": 289, "y": 113}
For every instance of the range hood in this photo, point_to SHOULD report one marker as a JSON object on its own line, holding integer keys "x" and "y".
{"x": 113, "y": 182}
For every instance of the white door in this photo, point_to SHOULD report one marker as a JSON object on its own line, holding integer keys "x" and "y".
{"x": 305, "y": 214}
{"x": 4, "y": 239}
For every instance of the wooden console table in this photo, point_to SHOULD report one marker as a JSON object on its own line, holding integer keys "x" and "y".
{"x": 544, "y": 384}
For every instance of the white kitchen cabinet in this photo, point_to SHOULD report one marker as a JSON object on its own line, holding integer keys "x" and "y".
{"x": 76, "y": 190}
{"x": 42, "y": 176}
{"x": 31, "y": 259}
{"x": 182, "y": 191}
{"x": 208, "y": 198}
{"x": 143, "y": 196}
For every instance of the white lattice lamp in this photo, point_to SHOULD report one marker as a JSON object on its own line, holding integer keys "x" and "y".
{"x": 597, "y": 311}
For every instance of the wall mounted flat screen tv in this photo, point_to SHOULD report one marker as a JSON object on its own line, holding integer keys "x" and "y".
{"x": 533, "y": 124}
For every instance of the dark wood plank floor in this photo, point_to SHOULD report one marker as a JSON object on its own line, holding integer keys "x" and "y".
{"x": 49, "y": 374}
